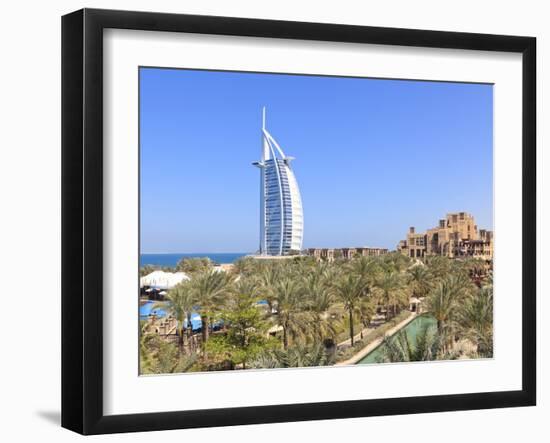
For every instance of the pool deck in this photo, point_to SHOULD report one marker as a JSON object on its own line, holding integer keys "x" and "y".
{"x": 375, "y": 343}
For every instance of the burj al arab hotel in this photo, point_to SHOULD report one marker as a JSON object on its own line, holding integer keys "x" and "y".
{"x": 281, "y": 214}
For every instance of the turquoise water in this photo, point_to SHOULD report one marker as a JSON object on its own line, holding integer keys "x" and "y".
{"x": 411, "y": 329}
{"x": 149, "y": 308}
{"x": 157, "y": 308}
{"x": 173, "y": 259}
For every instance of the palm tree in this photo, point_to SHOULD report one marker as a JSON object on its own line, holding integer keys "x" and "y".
{"x": 392, "y": 292}
{"x": 268, "y": 276}
{"x": 146, "y": 358}
{"x": 305, "y": 356}
{"x": 289, "y": 302}
{"x": 294, "y": 357}
{"x": 476, "y": 320}
{"x": 395, "y": 261}
{"x": 319, "y": 298}
{"x": 398, "y": 348}
{"x": 366, "y": 310}
{"x": 244, "y": 266}
{"x": 181, "y": 301}
{"x": 368, "y": 270}
{"x": 438, "y": 266}
{"x": 428, "y": 345}
{"x": 157, "y": 356}
{"x": 349, "y": 289}
{"x": 194, "y": 265}
{"x": 208, "y": 289}
{"x": 444, "y": 302}
{"x": 420, "y": 280}
{"x": 248, "y": 287}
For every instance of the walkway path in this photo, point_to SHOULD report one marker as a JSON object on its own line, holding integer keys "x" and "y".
{"x": 375, "y": 343}
{"x": 365, "y": 331}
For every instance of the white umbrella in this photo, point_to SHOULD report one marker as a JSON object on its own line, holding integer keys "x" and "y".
{"x": 163, "y": 280}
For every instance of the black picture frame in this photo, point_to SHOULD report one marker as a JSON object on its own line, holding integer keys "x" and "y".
{"x": 82, "y": 215}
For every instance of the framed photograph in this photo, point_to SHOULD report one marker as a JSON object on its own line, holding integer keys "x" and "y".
{"x": 268, "y": 221}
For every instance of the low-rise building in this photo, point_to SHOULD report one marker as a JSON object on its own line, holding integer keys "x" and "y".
{"x": 330, "y": 254}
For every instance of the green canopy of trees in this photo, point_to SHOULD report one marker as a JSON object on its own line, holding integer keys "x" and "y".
{"x": 294, "y": 312}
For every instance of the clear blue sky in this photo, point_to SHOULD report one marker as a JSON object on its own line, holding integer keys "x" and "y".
{"x": 373, "y": 157}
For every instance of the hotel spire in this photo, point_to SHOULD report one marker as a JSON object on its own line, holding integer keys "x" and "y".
{"x": 281, "y": 214}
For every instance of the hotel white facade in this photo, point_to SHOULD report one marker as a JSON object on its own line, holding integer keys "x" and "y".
{"x": 281, "y": 213}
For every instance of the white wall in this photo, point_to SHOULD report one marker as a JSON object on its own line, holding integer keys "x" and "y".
{"x": 30, "y": 216}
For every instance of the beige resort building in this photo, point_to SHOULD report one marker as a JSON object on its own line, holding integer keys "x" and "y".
{"x": 455, "y": 236}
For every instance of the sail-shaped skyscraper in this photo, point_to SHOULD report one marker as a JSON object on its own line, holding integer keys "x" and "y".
{"x": 281, "y": 214}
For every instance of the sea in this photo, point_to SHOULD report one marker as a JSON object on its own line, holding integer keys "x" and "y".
{"x": 172, "y": 259}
